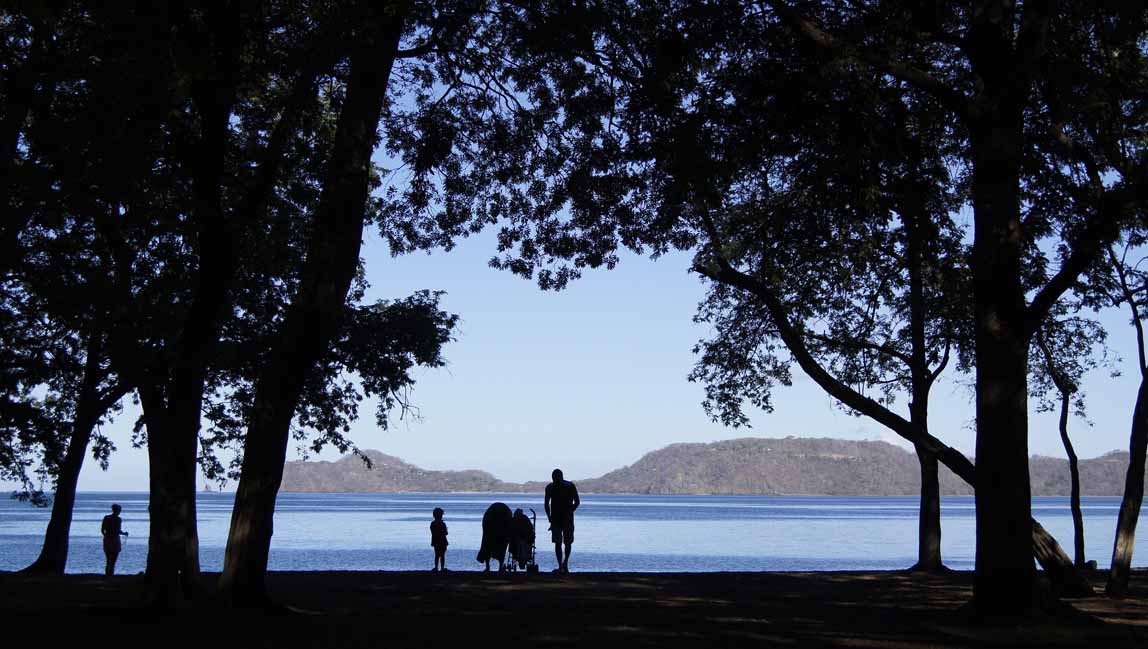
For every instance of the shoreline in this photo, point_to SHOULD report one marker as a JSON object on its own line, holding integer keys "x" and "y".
{"x": 586, "y": 493}
{"x": 403, "y": 608}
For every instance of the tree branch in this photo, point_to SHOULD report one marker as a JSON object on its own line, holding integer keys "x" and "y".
{"x": 1058, "y": 379}
{"x": 1098, "y": 232}
{"x": 1126, "y": 294}
{"x": 113, "y": 395}
{"x": 319, "y": 58}
{"x": 941, "y": 367}
{"x": 861, "y": 343}
{"x": 438, "y": 32}
{"x": 792, "y": 338}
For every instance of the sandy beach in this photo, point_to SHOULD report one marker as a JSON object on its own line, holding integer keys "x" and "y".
{"x": 460, "y": 609}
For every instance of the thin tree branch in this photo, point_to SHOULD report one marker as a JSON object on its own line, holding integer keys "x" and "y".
{"x": 1054, "y": 373}
{"x": 1097, "y": 233}
{"x": 941, "y": 367}
{"x": 861, "y": 343}
{"x": 1118, "y": 267}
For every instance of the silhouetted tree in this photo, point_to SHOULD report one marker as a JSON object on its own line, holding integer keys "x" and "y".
{"x": 1043, "y": 113}
{"x": 440, "y": 80}
{"x": 438, "y": 33}
{"x": 28, "y": 346}
{"x": 79, "y": 402}
{"x": 1065, "y": 349}
{"x": 58, "y": 381}
{"x": 1122, "y": 283}
{"x": 881, "y": 303}
{"x": 309, "y": 326}
{"x": 193, "y": 207}
{"x": 255, "y": 164}
{"x": 54, "y": 333}
{"x": 178, "y": 185}
{"x": 1015, "y": 78}
{"x": 379, "y": 344}
{"x": 31, "y": 352}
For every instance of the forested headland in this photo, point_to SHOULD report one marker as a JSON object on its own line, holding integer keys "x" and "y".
{"x": 748, "y": 466}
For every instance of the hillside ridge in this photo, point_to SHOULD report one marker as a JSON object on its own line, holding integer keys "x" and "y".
{"x": 743, "y": 466}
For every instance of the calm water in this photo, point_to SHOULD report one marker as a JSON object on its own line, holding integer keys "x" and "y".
{"x": 614, "y": 533}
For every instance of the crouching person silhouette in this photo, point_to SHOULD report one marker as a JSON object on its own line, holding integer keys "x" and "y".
{"x": 496, "y": 530}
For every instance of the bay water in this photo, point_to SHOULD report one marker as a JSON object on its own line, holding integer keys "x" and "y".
{"x": 630, "y": 533}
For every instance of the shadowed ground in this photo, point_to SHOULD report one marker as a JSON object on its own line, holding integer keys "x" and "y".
{"x": 467, "y": 609}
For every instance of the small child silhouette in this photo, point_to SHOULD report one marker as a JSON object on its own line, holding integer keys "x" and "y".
{"x": 438, "y": 539}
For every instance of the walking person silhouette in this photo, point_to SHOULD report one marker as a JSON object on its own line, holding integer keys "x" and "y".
{"x": 111, "y": 529}
{"x": 560, "y": 503}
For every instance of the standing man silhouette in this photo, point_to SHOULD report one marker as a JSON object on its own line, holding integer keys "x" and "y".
{"x": 561, "y": 501}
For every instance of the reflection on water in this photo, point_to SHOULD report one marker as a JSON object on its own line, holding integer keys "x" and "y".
{"x": 614, "y": 533}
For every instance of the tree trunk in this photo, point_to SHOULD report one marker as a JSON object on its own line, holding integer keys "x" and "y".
{"x": 172, "y": 414}
{"x": 174, "y": 420}
{"x": 1074, "y": 475}
{"x": 315, "y": 311}
{"x": 173, "y": 543}
{"x": 1066, "y": 388}
{"x": 1003, "y": 60}
{"x": 1004, "y": 569}
{"x": 929, "y": 521}
{"x": 1133, "y": 496}
{"x": 54, "y": 553}
{"x": 917, "y": 228}
{"x": 1005, "y": 576}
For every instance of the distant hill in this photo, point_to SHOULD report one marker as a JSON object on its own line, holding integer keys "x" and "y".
{"x": 388, "y": 474}
{"x": 822, "y": 466}
{"x": 764, "y": 466}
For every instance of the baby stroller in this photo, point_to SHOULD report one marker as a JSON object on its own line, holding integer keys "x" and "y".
{"x": 522, "y": 546}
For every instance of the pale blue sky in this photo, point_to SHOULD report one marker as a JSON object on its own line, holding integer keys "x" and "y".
{"x": 591, "y": 378}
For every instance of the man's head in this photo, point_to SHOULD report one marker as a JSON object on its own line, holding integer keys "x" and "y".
{"x": 116, "y": 509}
{"x": 557, "y": 475}
{"x": 437, "y": 513}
